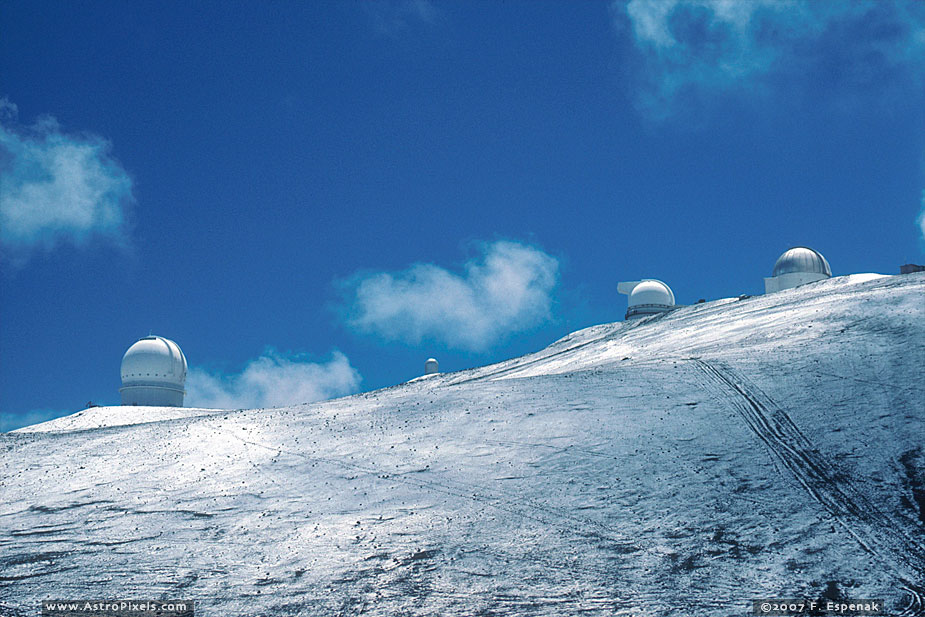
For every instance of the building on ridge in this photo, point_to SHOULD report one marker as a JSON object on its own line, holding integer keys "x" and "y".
{"x": 797, "y": 266}
{"x": 646, "y": 297}
{"x": 153, "y": 373}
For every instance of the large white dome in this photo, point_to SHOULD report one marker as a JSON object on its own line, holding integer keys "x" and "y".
{"x": 646, "y": 297}
{"x": 154, "y": 359}
{"x": 801, "y": 259}
{"x": 153, "y": 373}
{"x": 651, "y": 291}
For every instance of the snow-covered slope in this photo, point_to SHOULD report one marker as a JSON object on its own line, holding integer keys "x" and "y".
{"x": 104, "y": 416}
{"x": 682, "y": 464}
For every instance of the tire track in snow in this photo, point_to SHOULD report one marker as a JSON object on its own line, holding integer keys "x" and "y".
{"x": 886, "y": 538}
{"x": 539, "y": 358}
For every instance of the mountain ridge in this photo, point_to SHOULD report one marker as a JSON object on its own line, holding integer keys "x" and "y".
{"x": 689, "y": 462}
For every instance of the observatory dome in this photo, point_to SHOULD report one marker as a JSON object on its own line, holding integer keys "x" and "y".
{"x": 801, "y": 259}
{"x": 431, "y": 367}
{"x": 647, "y": 297}
{"x": 797, "y": 266}
{"x": 651, "y": 291}
{"x": 153, "y": 373}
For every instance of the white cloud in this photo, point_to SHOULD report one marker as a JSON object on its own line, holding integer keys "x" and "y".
{"x": 273, "y": 380}
{"x": 697, "y": 45}
{"x": 57, "y": 187}
{"x": 508, "y": 290}
{"x": 921, "y": 219}
{"x": 394, "y": 17}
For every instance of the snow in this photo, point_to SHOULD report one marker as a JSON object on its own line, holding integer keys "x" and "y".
{"x": 679, "y": 464}
{"x": 104, "y": 416}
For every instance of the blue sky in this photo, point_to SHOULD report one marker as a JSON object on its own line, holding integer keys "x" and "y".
{"x": 312, "y": 198}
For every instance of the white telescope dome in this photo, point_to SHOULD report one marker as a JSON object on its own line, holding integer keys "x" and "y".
{"x": 801, "y": 259}
{"x": 647, "y": 297}
{"x": 431, "y": 366}
{"x": 651, "y": 291}
{"x": 797, "y": 266}
{"x": 153, "y": 373}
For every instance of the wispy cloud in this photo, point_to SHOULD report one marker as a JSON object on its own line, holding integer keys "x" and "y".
{"x": 57, "y": 187}
{"x": 697, "y": 46}
{"x": 273, "y": 380}
{"x": 13, "y": 421}
{"x": 921, "y": 219}
{"x": 393, "y": 17}
{"x": 508, "y": 289}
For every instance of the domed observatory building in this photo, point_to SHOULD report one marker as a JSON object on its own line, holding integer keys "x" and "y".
{"x": 797, "y": 266}
{"x": 431, "y": 367}
{"x": 153, "y": 373}
{"x": 646, "y": 297}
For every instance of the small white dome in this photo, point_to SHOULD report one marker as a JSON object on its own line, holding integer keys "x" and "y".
{"x": 431, "y": 366}
{"x": 154, "y": 360}
{"x": 651, "y": 291}
{"x": 801, "y": 259}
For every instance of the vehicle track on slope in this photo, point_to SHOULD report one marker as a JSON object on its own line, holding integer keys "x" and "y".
{"x": 885, "y": 537}
{"x": 506, "y": 370}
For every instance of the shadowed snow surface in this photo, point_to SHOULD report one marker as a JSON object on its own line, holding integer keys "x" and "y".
{"x": 679, "y": 464}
